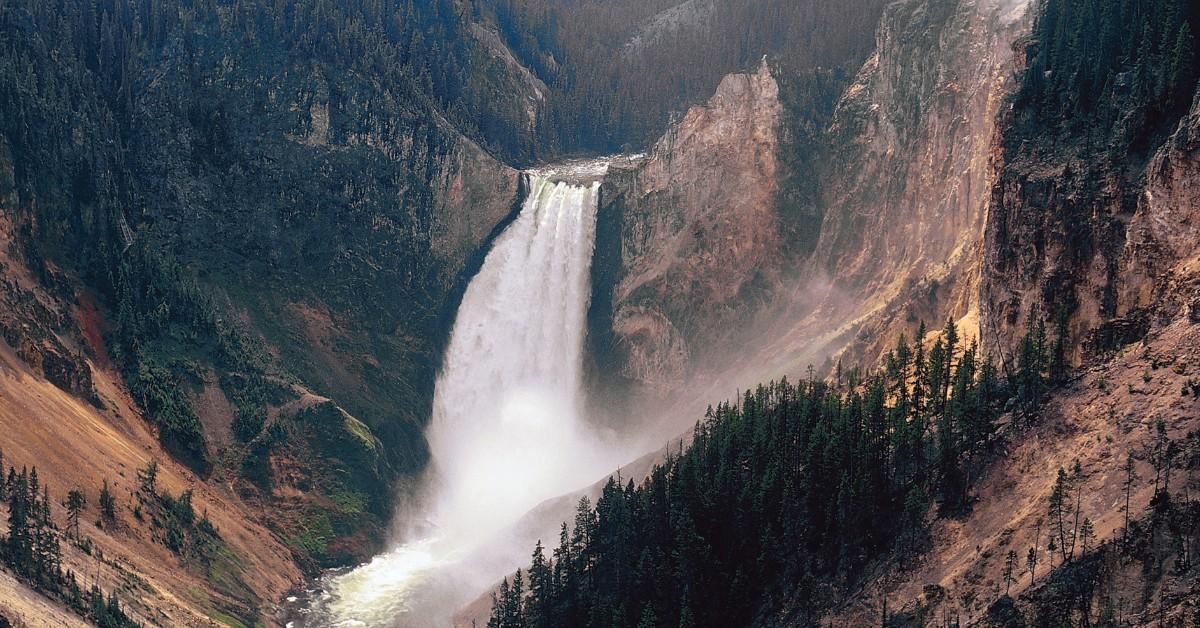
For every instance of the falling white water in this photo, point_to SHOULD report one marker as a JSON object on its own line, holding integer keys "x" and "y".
{"x": 506, "y": 431}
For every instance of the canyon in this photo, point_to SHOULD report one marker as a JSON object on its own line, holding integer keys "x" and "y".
{"x": 305, "y": 258}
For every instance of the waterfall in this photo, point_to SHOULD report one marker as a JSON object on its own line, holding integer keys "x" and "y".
{"x": 506, "y": 431}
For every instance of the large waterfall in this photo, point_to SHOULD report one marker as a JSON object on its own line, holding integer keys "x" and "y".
{"x": 506, "y": 431}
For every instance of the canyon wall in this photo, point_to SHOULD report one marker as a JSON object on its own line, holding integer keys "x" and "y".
{"x": 1110, "y": 244}
{"x": 1136, "y": 329}
{"x": 908, "y": 174}
{"x": 688, "y": 241}
{"x": 239, "y": 262}
{"x": 703, "y": 269}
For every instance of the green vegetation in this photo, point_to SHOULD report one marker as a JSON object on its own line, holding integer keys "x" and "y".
{"x": 1119, "y": 67}
{"x": 618, "y": 74}
{"x": 174, "y": 520}
{"x": 32, "y": 550}
{"x": 192, "y": 537}
{"x": 1092, "y": 586}
{"x": 827, "y": 477}
{"x": 313, "y": 540}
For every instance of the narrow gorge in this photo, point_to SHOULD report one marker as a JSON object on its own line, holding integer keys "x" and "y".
{"x": 508, "y": 429}
{"x": 599, "y": 313}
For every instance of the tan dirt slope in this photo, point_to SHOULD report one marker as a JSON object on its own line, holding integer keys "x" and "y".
{"x": 1107, "y": 411}
{"x": 72, "y": 444}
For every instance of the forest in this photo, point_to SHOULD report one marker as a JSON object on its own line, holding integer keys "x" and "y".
{"x": 32, "y": 549}
{"x": 791, "y": 491}
{"x": 1122, "y": 68}
{"x": 784, "y": 499}
{"x": 619, "y": 77}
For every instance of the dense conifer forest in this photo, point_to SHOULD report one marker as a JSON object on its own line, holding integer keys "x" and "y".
{"x": 32, "y": 549}
{"x": 788, "y": 493}
{"x": 1114, "y": 74}
{"x": 619, "y": 76}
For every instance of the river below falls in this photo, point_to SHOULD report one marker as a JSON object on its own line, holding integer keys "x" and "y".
{"x": 507, "y": 430}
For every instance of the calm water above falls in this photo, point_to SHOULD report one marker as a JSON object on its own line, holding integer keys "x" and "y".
{"x": 506, "y": 431}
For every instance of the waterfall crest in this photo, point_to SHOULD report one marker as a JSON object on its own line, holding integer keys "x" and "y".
{"x": 508, "y": 400}
{"x": 506, "y": 431}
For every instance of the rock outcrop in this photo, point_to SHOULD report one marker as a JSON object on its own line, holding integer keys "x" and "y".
{"x": 1159, "y": 266}
{"x": 908, "y": 175}
{"x": 688, "y": 241}
{"x": 701, "y": 247}
{"x": 1110, "y": 245}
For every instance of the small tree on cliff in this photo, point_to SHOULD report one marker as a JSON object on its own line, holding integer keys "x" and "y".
{"x": 108, "y": 505}
{"x": 76, "y": 500}
{"x": 1010, "y": 565}
{"x": 148, "y": 478}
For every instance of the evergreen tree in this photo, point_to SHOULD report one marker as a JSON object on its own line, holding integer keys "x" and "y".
{"x": 826, "y": 478}
{"x": 1058, "y": 350}
{"x": 148, "y": 478}
{"x": 539, "y": 608}
{"x": 1031, "y": 360}
{"x": 75, "y": 503}
{"x": 108, "y": 505}
{"x": 1010, "y": 564}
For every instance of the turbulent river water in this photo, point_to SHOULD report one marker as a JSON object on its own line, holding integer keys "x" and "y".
{"x": 507, "y": 429}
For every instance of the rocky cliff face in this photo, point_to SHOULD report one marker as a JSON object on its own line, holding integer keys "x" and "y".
{"x": 688, "y": 240}
{"x": 908, "y": 176}
{"x": 903, "y": 182}
{"x": 1091, "y": 225}
{"x": 1136, "y": 328}
{"x": 1159, "y": 265}
{"x": 1110, "y": 248}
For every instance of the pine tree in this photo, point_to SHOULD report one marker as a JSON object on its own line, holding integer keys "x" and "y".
{"x": 496, "y": 619}
{"x": 1182, "y": 68}
{"x": 913, "y": 530}
{"x": 1030, "y": 363}
{"x": 108, "y": 505}
{"x": 1087, "y": 535}
{"x": 648, "y": 619}
{"x": 148, "y": 478}
{"x": 19, "y": 545}
{"x": 1010, "y": 564}
{"x": 1058, "y": 350}
{"x": 1031, "y": 561}
{"x": 75, "y": 503}
{"x": 538, "y": 612}
{"x": 514, "y": 604}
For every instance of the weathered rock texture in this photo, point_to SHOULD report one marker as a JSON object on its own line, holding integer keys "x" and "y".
{"x": 1111, "y": 244}
{"x": 1159, "y": 265}
{"x": 700, "y": 246}
{"x": 690, "y": 235}
{"x": 908, "y": 178}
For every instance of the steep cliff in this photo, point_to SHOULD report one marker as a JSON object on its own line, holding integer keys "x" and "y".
{"x": 1138, "y": 372}
{"x": 688, "y": 239}
{"x": 1158, "y": 265}
{"x": 716, "y": 249}
{"x": 908, "y": 177}
{"x": 1091, "y": 172}
{"x": 236, "y": 253}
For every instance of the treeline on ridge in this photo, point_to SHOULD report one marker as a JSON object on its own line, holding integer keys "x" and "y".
{"x": 620, "y": 69}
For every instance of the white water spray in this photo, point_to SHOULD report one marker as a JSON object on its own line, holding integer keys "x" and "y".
{"x": 506, "y": 431}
